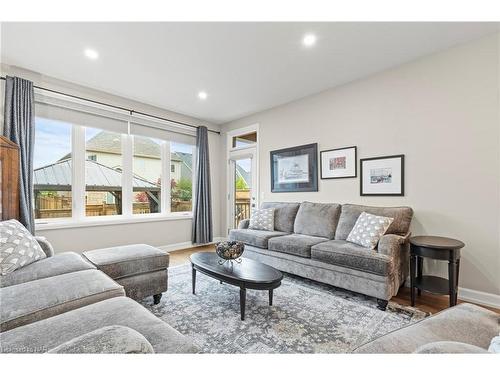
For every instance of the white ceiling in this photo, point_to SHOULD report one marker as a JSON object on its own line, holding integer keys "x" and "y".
{"x": 244, "y": 67}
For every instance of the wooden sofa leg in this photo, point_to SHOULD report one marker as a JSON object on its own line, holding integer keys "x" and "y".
{"x": 156, "y": 299}
{"x": 382, "y": 304}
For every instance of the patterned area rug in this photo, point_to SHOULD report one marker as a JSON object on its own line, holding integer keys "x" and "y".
{"x": 306, "y": 316}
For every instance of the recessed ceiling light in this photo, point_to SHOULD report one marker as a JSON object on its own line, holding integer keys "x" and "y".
{"x": 309, "y": 40}
{"x": 91, "y": 53}
{"x": 202, "y": 95}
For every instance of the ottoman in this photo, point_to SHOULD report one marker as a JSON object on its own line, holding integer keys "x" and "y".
{"x": 141, "y": 269}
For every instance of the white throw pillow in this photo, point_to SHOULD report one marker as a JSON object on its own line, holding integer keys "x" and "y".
{"x": 262, "y": 219}
{"x": 369, "y": 229}
{"x": 18, "y": 247}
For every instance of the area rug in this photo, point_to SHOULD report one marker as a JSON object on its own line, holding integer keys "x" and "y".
{"x": 306, "y": 316}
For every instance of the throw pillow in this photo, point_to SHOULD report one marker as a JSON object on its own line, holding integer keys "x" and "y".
{"x": 18, "y": 247}
{"x": 369, "y": 229}
{"x": 262, "y": 219}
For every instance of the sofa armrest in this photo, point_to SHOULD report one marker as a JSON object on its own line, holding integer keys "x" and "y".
{"x": 244, "y": 224}
{"x": 392, "y": 244}
{"x": 45, "y": 245}
{"x": 106, "y": 340}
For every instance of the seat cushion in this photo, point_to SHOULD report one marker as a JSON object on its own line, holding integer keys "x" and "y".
{"x": 47, "y": 334}
{"x": 347, "y": 254}
{"x": 284, "y": 215}
{"x": 123, "y": 261}
{"x": 317, "y": 219}
{"x": 295, "y": 244}
{"x": 106, "y": 340}
{"x": 350, "y": 212}
{"x": 258, "y": 238}
{"x": 48, "y": 267}
{"x": 40, "y": 299}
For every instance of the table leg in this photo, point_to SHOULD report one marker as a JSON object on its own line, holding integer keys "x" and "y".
{"x": 271, "y": 297}
{"x": 243, "y": 297}
{"x": 420, "y": 267}
{"x": 412, "y": 278}
{"x": 456, "y": 277}
{"x": 452, "y": 281}
{"x": 194, "y": 279}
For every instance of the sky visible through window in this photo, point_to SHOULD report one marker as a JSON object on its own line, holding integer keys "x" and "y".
{"x": 52, "y": 141}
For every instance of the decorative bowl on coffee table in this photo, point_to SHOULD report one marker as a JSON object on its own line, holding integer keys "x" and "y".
{"x": 229, "y": 251}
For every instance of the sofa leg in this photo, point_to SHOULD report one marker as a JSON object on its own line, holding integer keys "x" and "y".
{"x": 382, "y": 304}
{"x": 156, "y": 299}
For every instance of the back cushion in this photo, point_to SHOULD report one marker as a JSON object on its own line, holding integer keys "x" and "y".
{"x": 350, "y": 212}
{"x": 317, "y": 219}
{"x": 284, "y": 215}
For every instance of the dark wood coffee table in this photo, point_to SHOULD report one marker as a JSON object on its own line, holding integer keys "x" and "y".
{"x": 249, "y": 274}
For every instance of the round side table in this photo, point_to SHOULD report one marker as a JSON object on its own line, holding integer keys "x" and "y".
{"x": 440, "y": 248}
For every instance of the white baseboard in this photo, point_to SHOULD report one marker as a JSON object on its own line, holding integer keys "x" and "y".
{"x": 184, "y": 245}
{"x": 476, "y": 296}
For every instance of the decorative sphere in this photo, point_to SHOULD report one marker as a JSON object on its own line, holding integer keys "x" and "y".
{"x": 229, "y": 250}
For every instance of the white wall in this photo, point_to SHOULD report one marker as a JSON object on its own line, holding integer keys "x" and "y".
{"x": 442, "y": 112}
{"x": 156, "y": 233}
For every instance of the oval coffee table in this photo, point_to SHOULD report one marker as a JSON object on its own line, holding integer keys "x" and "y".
{"x": 249, "y": 274}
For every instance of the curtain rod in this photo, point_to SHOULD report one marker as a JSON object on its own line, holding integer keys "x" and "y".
{"x": 131, "y": 111}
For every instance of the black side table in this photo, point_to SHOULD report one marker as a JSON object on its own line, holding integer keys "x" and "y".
{"x": 440, "y": 248}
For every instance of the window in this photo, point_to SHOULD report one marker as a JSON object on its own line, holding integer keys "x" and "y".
{"x": 87, "y": 166}
{"x": 52, "y": 164}
{"x": 245, "y": 140}
{"x": 147, "y": 167}
{"x": 181, "y": 177}
{"x": 103, "y": 179}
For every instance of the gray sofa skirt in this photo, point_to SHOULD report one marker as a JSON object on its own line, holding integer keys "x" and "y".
{"x": 378, "y": 286}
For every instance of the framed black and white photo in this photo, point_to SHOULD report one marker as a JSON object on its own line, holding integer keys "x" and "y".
{"x": 383, "y": 175}
{"x": 339, "y": 163}
{"x": 295, "y": 169}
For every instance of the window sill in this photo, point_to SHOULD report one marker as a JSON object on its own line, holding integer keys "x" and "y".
{"x": 41, "y": 224}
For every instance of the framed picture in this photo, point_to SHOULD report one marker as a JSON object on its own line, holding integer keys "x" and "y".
{"x": 339, "y": 163}
{"x": 295, "y": 169}
{"x": 384, "y": 175}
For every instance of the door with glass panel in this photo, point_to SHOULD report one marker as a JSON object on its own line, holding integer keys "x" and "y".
{"x": 243, "y": 191}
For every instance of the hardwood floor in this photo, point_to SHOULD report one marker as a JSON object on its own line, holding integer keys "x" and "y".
{"x": 426, "y": 302}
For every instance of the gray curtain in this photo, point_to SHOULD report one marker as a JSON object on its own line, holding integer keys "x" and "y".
{"x": 19, "y": 127}
{"x": 202, "y": 212}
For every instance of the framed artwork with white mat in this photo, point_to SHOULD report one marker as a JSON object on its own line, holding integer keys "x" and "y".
{"x": 382, "y": 175}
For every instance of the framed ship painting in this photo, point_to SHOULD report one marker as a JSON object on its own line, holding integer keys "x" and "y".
{"x": 383, "y": 175}
{"x": 295, "y": 169}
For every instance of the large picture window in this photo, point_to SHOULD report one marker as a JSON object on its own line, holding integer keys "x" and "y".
{"x": 84, "y": 171}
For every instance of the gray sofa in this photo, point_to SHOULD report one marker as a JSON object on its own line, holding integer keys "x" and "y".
{"x": 464, "y": 328}
{"x": 309, "y": 240}
{"x": 63, "y": 304}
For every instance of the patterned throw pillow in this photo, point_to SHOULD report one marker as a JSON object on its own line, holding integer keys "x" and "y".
{"x": 18, "y": 247}
{"x": 369, "y": 229}
{"x": 262, "y": 219}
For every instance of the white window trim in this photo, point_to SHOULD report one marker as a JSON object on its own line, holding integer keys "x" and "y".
{"x": 78, "y": 214}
